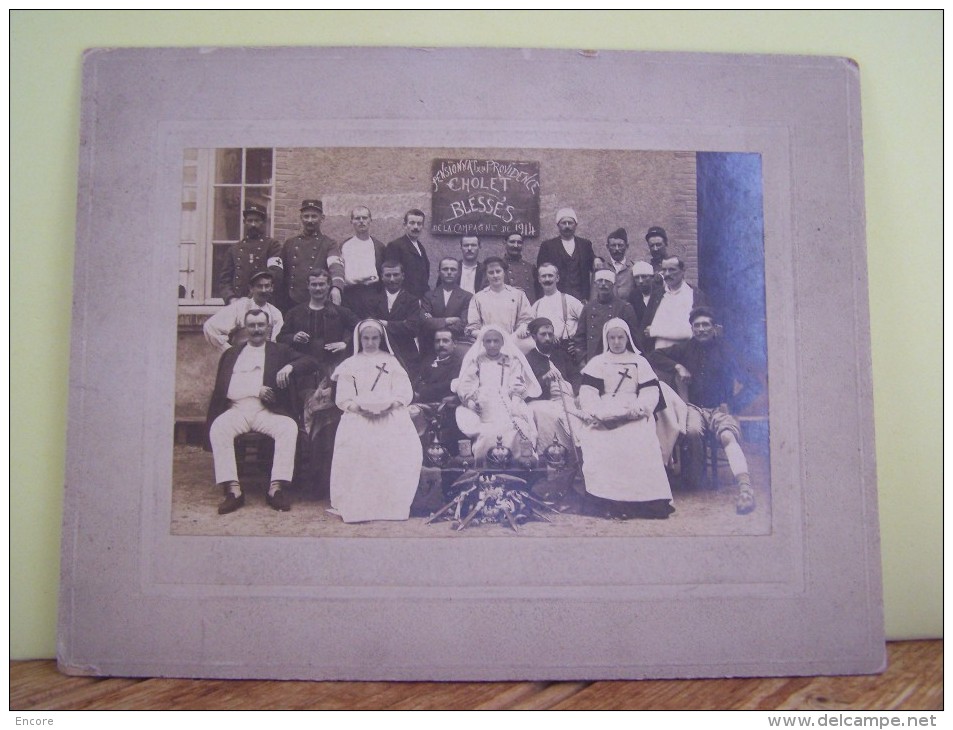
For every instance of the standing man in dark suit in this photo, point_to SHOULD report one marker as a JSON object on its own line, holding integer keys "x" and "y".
{"x": 574, "y": 257}
{"x": 657, "y": 241}
{"x": 411, "y": 253}
{"x": 251, "y": 394}
{"x": 255, "y": 252}
{"x": 306, "y": 251}
{"x": 617, "y": 243}
{"x": 643, "y": 284}
{"x": 399, "y": 310}
{"x": 445, "y": 307}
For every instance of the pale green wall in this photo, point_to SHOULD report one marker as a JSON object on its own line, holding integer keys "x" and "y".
{"x": 900, "y": 57}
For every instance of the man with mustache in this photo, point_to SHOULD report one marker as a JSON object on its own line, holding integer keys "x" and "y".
{"x": 253, "y": 253}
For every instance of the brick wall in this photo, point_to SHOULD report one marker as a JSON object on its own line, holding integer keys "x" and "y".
{"x": 607, "y": 188}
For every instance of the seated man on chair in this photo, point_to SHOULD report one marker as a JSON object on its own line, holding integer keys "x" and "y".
{"x": 434, "y": 399}
{"x": 711, "y": 372}
{"x": 251, "y": 394}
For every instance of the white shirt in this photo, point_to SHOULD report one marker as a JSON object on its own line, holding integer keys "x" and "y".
{"x": 468, "y": 278}
{"x": 570, "y": 245}
{"x": 391, "y": 298}
{"x": 670, "y": 324}
{"x": 231, "y": 317}
{"x": 359, "y": 260}
{"x": 550, "y": 306}
{"x": 247, "y": 373}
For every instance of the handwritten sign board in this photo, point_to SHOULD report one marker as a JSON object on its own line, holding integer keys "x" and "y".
{"x": 485, "y": 197}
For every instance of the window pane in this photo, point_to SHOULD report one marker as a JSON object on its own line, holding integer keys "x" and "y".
{"x": 228, "y": 166}
{"x": 186, "y": 271}
{"x": 218, "y": 258}
{"x": 258, "y": 166}
{"x": 187, "y": 231}
{"x": 259, "y": 196}
{"x": 227, "y": 215}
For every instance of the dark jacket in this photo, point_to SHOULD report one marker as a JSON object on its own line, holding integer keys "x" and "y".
{"x": 277, "y": 356}
{"x": 648, "y": 343}
{"x": 432, "y": 304}
{"x": 300, "y": 254}
{"x": 336, "y": 324}
{"x": 582, "y": 261}
{"x": 416, "y": 266}
{"x": 433, "y": 383}
{"x": 245, "y": 259}
{"x": 715, "y": 370}
{"x": 479, "y": 281}
{"x": 540, "y": 365}
{"x": 402, "y": 324}
{"x": 588, "y": 337}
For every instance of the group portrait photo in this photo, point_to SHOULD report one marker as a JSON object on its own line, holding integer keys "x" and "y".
{"x": 471, "y": 342}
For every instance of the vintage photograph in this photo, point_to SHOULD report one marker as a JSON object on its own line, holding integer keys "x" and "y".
{"x": 436, "y": 342}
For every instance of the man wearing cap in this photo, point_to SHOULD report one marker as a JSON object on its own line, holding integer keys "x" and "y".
{"x": 665, "y": 322}
{"x": 597, "y": 311}
{"x": 363, "y": 255}
{"x": 226, "y": 328}
{"x": 643, "y": 284}
{"x": 710, "y": 372}
{"x": 521, "y": 273}
{"x": 410, "y": 251}
{"x": 617, "y": 243}
{"x": 657, "y": 241}
{"x": 310, "y": 250}
{"x": 255, "y": 252}
{"x": 574, "y": 257}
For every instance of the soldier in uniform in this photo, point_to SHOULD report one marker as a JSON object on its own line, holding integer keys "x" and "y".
{"x": 307, "y": 251}
{"x": 605, "y": 305}
{"x": 254, "y": 253}
{"x": 521, "y": 273}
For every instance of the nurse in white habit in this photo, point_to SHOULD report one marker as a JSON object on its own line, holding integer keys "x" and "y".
{"x": 622, "y": 459}
{"x": 494, "y": 382}
{"x": 377, "y": 453}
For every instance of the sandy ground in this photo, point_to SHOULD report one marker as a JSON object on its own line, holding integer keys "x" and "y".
{"x": 697, "y": 512}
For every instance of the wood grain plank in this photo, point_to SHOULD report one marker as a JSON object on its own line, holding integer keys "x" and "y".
{"x": 913, "y": 681}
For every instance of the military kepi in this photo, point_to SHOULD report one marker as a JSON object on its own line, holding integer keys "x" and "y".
{"x": 311, "y": 204}
{"x": 255, "y": 209}
{"x": 261, "y": 275}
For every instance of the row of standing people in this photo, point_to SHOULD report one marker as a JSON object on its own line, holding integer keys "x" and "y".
{"x": 356, "y": 268}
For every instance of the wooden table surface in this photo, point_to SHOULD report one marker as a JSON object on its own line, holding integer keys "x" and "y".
{"x": 913, "y": 681}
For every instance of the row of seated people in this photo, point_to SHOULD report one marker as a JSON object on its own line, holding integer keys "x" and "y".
{"x": 324, "y": 347}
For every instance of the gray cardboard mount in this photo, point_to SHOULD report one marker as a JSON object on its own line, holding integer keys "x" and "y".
{"x": 805, "y": 598}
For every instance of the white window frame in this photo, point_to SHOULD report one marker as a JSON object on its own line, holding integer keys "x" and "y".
{"x": 204, "y": 245}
